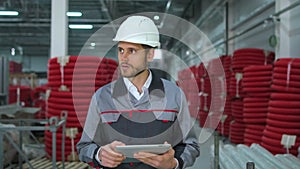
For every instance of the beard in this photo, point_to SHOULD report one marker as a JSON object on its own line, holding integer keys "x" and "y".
{"x": 129, "y": 71}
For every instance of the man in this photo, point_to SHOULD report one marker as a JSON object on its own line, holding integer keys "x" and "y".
{"x": 138, "y": 108}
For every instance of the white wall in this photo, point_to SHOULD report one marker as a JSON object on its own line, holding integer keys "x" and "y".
{"x": 250, "y": 12}
{"x": 38, "y": 64}
{"x": 288, "y": 30}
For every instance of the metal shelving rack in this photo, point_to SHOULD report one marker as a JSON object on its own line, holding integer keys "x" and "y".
{"x": 3, "y": 81}
{"x": 52, "y": 125}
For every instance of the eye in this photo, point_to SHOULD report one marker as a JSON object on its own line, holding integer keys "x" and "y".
{"x": 121, "y": 50}
{"x": 132, "y": 51}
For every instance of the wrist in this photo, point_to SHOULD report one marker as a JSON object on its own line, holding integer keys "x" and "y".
{"x": 175, "y": 163}
{"x": 96, "y": 161}
{"x": 98, "y": 155}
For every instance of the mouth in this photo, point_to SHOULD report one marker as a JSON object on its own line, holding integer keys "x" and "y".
{"x": 125, "y": 66}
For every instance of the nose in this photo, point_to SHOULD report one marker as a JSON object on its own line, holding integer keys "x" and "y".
{"x": 124, "y": 56}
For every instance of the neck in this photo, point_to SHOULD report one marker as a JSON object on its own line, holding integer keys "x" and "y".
{"x": 139, "y": 80}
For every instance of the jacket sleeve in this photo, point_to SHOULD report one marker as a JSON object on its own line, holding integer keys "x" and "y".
{"x": 188, "y": 150}
{"x": 86, "y": 147}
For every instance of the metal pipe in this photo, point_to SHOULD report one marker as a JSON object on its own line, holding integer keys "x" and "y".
{"x": 64, "y": 115}
{"x": 207, "y": 14}
{"x": 253, "y": 14}
{"x": 216, "y": 150}
{"x": 1, "y": 149}
{"x": 166, "y": 11}
{"x": 20, "y": 145}
{"x": 108, "y": 15}
{"x": 287, "y": 8}
{"x": 226, "y": 26}
{"x": 186, "y": 8}
{"x": 270, "y": 18}
{"x": 40, "y": 121}
{"x": 4, "y": 73}
{"x": 24, "y": 128}
{"x": 18, "y": 96}
{"x": 54, "y": 124}
{"x": 18, "y": 149}
{"x": 53, "y": 149}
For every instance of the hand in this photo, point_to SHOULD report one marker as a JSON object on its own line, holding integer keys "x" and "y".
{"x": 109, "y": 157}
{"x": 163, "y": 161}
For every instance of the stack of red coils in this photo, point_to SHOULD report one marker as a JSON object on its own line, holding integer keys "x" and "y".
{"x": 241, "y": 59}
{"x": 205, "y": 98}
{"x": 284, "y": 106}
{"x": 25, "y": 95}
{"x": 224, "y": 124}
{"x": 256, "y": 83}
{"x": 38, "y": 96}
{"x": 188, "y": 81}
{"x": 15, "y": 67}
{"x": 236, "y": 134}
{"x": 72, "y": 81}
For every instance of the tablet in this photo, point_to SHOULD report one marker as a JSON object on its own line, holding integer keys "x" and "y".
{"x": 129, "y": 150}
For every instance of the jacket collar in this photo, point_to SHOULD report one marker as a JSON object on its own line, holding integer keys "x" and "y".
{"x": 119, "y": 89}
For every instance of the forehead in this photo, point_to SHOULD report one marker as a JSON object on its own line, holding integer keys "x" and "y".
{"x": 129, "y": 45}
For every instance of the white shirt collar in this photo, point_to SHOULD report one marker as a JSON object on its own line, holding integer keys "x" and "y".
{"x": 133, "y": 90}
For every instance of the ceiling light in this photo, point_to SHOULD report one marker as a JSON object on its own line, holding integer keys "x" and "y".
{"x": 73, "y": 26}
{"x": 74, "y": 14}
{"x": 13, "y": 51}
{"x": 156, "y": 17}
{"x": 187, "y": 52}
{"x": 9, "y": 13}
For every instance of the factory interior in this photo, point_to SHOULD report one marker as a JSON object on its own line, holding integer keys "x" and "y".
{"x": 236, "y": 61}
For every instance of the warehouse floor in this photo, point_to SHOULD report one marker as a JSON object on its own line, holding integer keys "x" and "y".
{"x": 204, "y": 161}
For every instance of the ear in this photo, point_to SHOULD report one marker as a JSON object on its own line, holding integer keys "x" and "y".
{"x": 150, "y": 55}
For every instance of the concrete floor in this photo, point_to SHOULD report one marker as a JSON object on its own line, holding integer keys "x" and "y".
{"x": 205, "y": 160}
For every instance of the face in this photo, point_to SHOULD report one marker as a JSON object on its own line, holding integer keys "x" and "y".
{"x": 133, "y": 58}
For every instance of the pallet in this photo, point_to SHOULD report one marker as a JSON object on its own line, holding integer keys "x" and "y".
{"x": 45, "y": 163}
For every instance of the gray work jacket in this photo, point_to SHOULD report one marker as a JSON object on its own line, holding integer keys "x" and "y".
{"x": 160, "y": 115}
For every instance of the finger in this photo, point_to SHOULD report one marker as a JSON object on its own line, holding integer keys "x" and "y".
{"x": 145, "y": 155}
{"x": 117, "y": 143}
{"x": 147, "y": 160}
{"x": 114, "y": 144}
{"x": 112, "y": 159}
{"x": 110, "y": 164}
{"x": 170, "y": 152}
{"x": 111, "y": 155}
{"x": 109, "y": 161}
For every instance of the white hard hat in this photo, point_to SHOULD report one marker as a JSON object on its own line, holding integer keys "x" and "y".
{"x": 140, "y": 30}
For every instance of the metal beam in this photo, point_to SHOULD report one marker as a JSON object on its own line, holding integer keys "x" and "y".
{"x": 140, "y": 0}
{"x": 47, "y": 35}
{"x": 47, "y": 20}
{"x": 37, "y": 25}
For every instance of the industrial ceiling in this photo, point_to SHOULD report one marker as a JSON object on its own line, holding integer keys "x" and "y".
{"x": 29, "y": 32}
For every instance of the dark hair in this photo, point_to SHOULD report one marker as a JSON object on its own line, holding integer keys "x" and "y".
{"x": 146, "y": 46}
